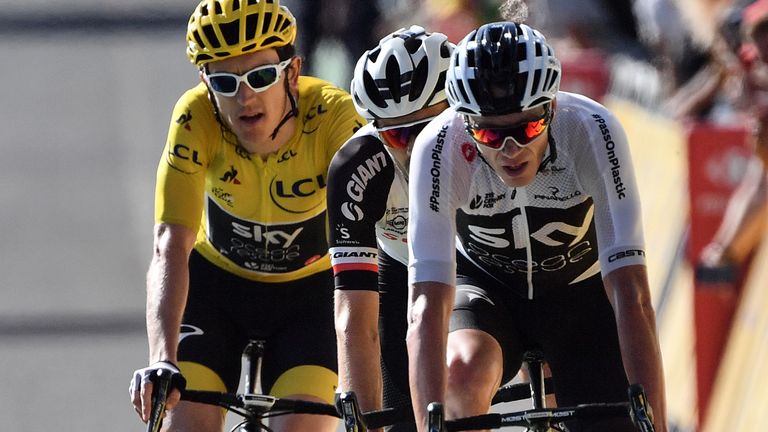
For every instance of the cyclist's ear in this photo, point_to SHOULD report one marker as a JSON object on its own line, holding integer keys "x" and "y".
{"x": 293, "y": 71}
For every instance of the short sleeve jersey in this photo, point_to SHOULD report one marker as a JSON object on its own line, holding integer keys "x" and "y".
{"x": 261, "y": 219}
{"x": 579, "y": 217}
{"x": 367, "y": 210}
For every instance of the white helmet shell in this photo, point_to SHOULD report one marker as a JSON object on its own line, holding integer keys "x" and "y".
{"x": 403, "y": 74}
{"x": 501, "y": 68}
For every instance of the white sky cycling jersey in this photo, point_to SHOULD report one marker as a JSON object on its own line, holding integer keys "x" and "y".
{"x": 581, "y": 213}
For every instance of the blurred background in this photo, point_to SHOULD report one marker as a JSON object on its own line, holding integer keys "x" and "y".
{"x": 88, "y": 91}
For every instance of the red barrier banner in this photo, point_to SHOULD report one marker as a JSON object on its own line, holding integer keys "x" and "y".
{"x": 717, "y": 158}
{"x": 585, "y": 71}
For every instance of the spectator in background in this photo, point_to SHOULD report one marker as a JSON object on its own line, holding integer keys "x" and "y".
{"x": 456, "y": 18}
{"x": 354, "y": 25}
{"x": 609, "y": 25}
{"x": 663, "y": 30}
{"x": 715, "y": 91}
{"x": 744, "y": 222}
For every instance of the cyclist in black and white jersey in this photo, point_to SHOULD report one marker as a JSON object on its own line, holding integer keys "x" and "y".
{"x": 399, "y": 86}
{"x": 536, "y": 189}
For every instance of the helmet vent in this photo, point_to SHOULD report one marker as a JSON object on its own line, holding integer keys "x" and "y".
{"x": 373, "y": 56}
{"x": 398, "y": 84}
{"x": 419, "y": 79}
{"x": 412, "y": 45}
{"x": 372, "y": 91}
{"x": 199, "y": 41}
{"x": 265, "y": 25}
{"x": 235, "y": 5}
{"x": 445, "y": 51}
{"x": 283, "y": 24}
{"x": 270, "y": 40}
{"x": 217, "y": 8}
{"x": 251, "y": 22}
{"x": 230, "y": 32}
{"x": 536, "y": 81}
{"x": 210, "y": 34}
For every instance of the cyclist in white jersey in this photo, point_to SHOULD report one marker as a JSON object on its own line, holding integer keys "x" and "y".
{"x": 536, "y": 189}
{"x": 399, "y": 86}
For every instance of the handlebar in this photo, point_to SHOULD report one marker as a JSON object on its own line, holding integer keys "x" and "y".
{"x": 636, "y": 408}
{"x": 163, "y": 381}
{"x": 252, "y": 407}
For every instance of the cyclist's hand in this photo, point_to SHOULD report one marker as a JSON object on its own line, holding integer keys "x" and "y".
{"x": 142, "y": 385}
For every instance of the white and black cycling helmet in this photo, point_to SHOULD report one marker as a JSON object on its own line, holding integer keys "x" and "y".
{"x": 403, "y": 74}
{"x": 501, "y": 68}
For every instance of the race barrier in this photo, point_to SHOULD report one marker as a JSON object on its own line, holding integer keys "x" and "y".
{"x": 659, "y": 154}
{"x": 718, "y": 156}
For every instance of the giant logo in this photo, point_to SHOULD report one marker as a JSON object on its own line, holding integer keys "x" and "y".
{"x": 352, "y": 211}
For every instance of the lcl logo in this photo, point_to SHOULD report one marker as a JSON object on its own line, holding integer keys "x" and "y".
{"x": 287, "y": 195}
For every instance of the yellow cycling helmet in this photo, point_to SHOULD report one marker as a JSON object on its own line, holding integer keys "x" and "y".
{"x": 219, "y": 29}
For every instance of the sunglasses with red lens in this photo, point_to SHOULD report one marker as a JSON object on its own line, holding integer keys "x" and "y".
{"x": 399, "y": 136}
{"x": 522, "y": 133}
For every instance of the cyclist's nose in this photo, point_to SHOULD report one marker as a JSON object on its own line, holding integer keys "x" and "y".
{"x": 244, "y": 94}
{"x": 510, "y": 147}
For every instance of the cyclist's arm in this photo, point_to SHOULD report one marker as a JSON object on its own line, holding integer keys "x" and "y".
{"x": 428, "y": 314}
{"x": 353, "y": 210}
{"x": 437, "y": 186}
{"x": 167, "y": 287}
{"x": 359, "y": 352}
{"x": 614, "y": 190}
{"x": 628, "y": 291}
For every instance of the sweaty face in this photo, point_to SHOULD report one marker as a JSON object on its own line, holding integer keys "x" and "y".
{"x": 516, "y": 165}
{"x": 252, "y": 115}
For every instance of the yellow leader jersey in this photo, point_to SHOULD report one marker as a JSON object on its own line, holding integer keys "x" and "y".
{"x": 264, "y": 220}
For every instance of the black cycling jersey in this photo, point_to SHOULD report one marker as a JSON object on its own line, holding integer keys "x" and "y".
{"x": 367, "y": 209}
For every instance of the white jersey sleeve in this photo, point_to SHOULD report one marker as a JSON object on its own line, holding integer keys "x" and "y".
{"x": 437, "y": 187}
{"x": 608, "y": 175}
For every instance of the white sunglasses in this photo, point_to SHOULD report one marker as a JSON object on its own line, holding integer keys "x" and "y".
{"x": 257, "y": 79}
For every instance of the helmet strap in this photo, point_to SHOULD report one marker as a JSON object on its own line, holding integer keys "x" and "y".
{"x": 552, "y": 156}
{"x": 293, "y": 112}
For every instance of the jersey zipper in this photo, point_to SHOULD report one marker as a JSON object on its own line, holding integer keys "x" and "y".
{"x": 527, "y": 232}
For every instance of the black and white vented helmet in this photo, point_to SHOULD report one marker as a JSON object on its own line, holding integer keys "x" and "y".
{"x": 403, "y": 74}
{"x": 501, "y": 68}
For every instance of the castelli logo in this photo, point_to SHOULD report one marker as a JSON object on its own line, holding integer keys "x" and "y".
{"x": 469, "y": 151}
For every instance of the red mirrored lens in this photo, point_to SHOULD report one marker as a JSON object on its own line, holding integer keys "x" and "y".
{"x": 401, "y": 137}
{"x": 523, "y": 133}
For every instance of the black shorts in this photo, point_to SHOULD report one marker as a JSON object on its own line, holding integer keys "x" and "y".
{"x": 575, "y": 330}
{"x": 295, "y": 319}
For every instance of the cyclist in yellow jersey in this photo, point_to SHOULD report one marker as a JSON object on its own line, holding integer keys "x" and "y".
{"x": 240, "y": 244}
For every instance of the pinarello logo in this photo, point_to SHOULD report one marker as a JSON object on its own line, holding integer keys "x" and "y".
{"x": 469, "y": 151}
